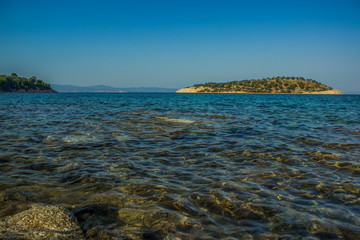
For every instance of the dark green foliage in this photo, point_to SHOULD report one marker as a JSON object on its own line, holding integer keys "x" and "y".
{"x": 14, "y": 83}
{"x": 267, "y": 85}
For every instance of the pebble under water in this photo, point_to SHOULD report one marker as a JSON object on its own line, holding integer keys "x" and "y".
{"x": 185, "y": 166}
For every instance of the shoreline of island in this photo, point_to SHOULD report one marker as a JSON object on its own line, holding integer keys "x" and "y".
{"x": 30, "y": 91}
{"x": 326, "y": 92}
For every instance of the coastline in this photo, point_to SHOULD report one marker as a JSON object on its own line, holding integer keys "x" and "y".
{"x": 31, "y": 91}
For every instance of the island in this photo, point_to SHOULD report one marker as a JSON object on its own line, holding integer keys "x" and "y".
{"x": 289, "y": 85}
{"x": 16, "y": 84}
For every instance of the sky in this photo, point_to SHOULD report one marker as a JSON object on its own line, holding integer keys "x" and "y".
{"x": 178, "y": 43}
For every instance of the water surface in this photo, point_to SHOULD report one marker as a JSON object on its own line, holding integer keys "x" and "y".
{"x": 186, "y": 166}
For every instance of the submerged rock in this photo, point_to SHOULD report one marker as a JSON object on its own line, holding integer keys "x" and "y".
{"x": 41, "y": 222}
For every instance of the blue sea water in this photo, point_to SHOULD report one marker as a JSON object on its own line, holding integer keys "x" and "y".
{"x": 186, "y": 166}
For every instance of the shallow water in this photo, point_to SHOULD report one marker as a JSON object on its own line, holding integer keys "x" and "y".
{"x": 186, "y": 166}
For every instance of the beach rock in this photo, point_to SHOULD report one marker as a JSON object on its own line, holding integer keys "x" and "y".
{"x": 41, "y": 222}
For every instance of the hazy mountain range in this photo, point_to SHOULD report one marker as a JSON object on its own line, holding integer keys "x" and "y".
{"x": 104, "y": 88}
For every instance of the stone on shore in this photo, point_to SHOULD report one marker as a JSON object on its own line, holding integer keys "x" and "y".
{"x": 41, "y": 222}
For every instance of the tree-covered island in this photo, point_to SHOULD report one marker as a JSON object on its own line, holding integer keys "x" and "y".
{"x": 292, "y": 85}
{"x": 14, "y": 83}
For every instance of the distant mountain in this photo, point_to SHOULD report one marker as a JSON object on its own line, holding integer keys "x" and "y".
{"x": 103, "y": 88}
{"x": 150, "y": 89}
{"x": 97, "y": 88}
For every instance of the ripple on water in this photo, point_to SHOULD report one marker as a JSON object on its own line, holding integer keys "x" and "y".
{"x": 175, "y": 120}
{"x": 175, "y": 166}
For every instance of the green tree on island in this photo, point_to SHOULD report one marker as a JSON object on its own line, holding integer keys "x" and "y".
{"x": 14, "y": 83}
{"x": 266, "y": 85}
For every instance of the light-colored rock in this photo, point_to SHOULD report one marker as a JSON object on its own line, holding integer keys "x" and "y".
{"x": 189, "y": 90}
{"x": 199, "y": 89}
{"x": 333, "y": 91}
{"x": 41, "y": 222}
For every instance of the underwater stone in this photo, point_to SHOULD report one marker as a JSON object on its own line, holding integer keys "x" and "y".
{"x": 41, "y": 222}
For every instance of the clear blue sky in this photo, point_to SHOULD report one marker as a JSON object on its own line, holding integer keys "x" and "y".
{"x": 179, "y": 43}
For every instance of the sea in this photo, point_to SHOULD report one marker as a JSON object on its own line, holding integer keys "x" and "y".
{"x": 186, "y": 166}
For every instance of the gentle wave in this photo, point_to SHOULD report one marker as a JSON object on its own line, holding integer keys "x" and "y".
{"x": 174, "y": 166}
{"x": 174, "y": 120}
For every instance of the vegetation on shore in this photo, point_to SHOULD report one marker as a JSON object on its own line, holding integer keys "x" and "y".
{"x": 14, "y": 83}
{"x": 265, "y": 85}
